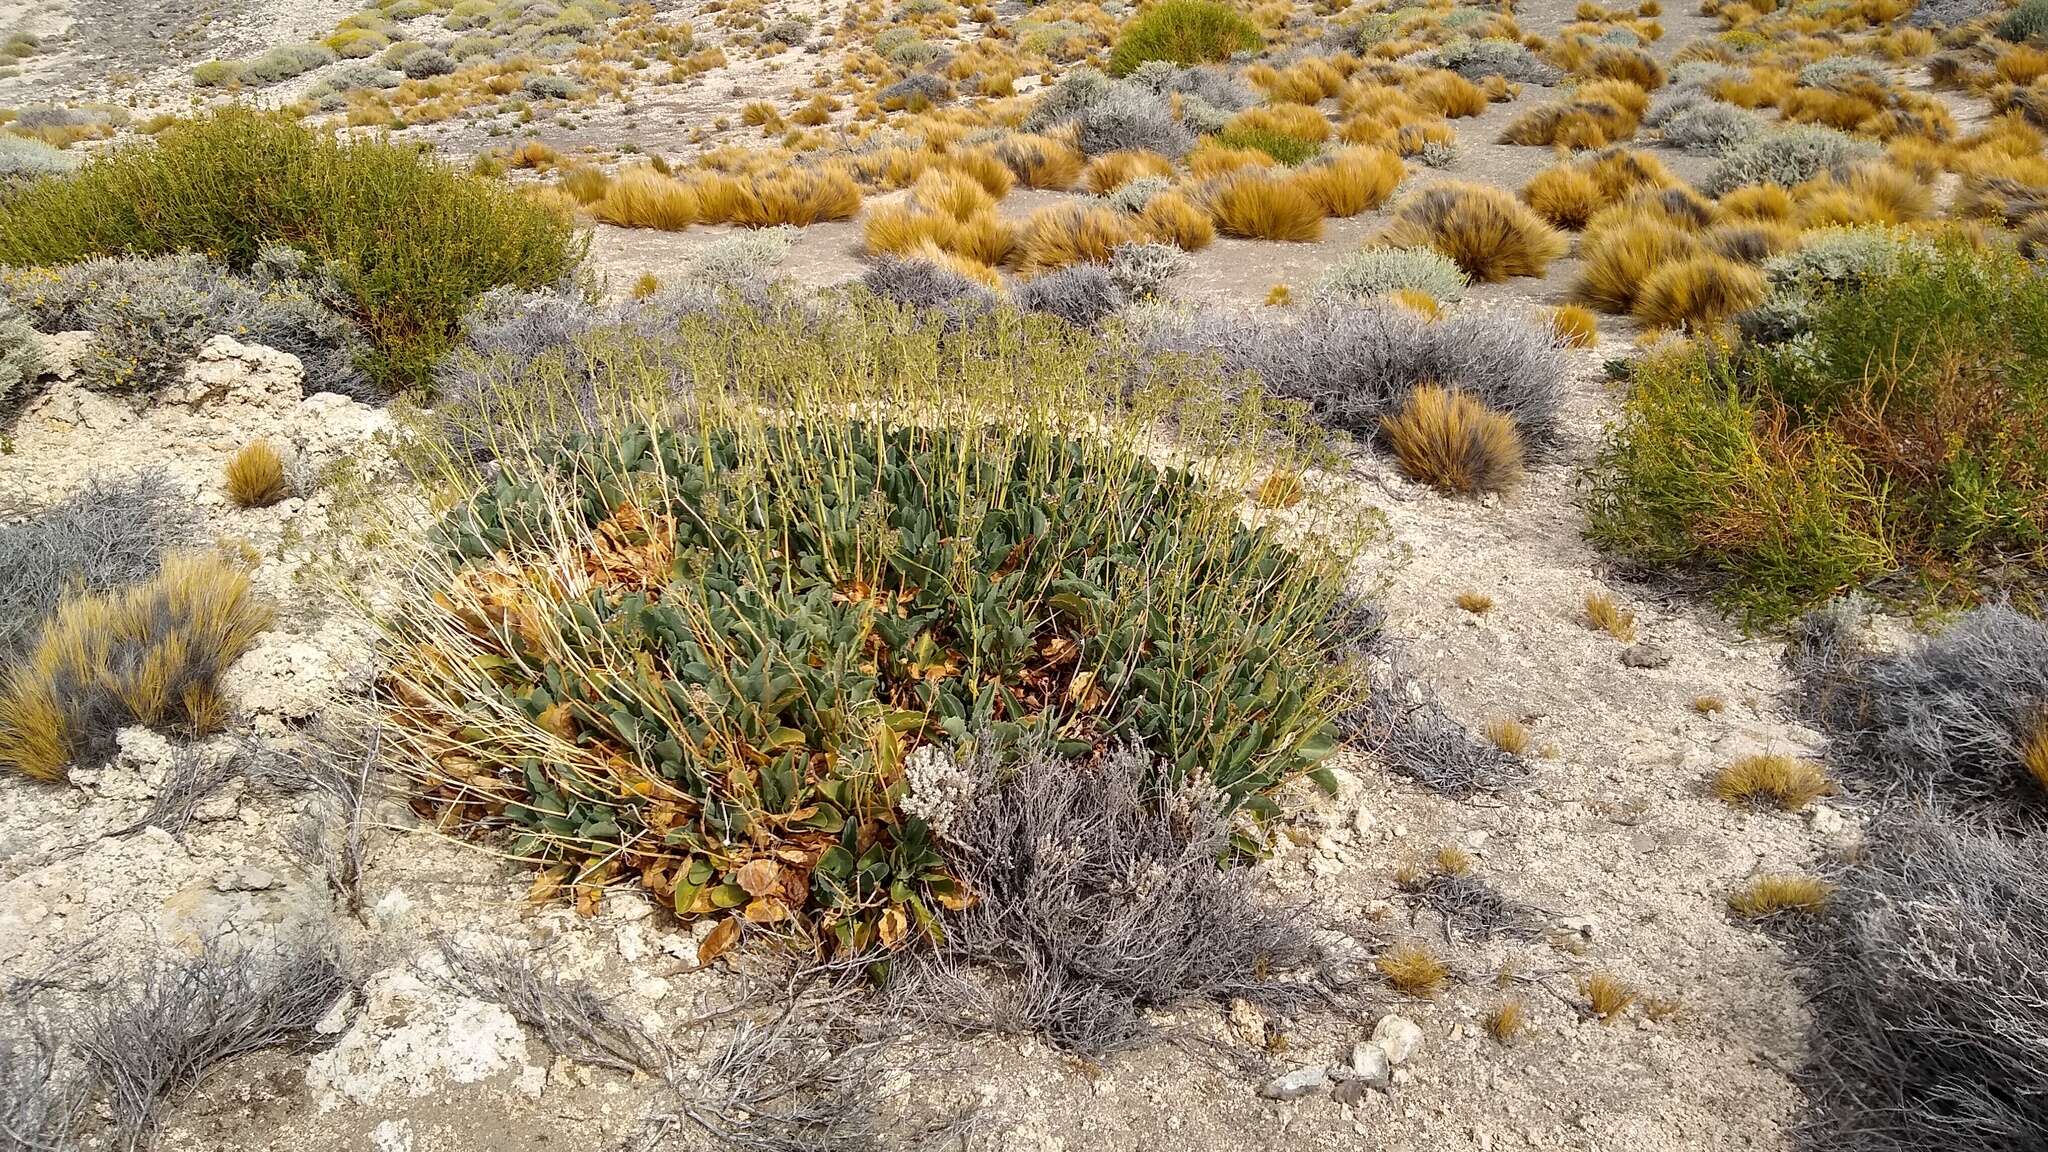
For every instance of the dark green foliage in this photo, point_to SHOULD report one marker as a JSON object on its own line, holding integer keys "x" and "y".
{"x": 409, "y": 243}
{"x": 1184, "y": 32}
{"x": 2027, "y": 22}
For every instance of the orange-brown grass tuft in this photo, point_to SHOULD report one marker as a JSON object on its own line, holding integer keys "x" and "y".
{"x": 1452, "y": 860}
{"x": 1295, "y": 121}
{"x": 951, "y": 193}
{"x": 1350, "y": 181}
{"x": 1616, "y": 62}
{"x": 645, "y": 286}
{"x": 1698, "y": 292}
{"x": 1172, "y": 218}
{"x": 1447, "y": 94}
{"x": 2034, "y": 753}
{"x": 1279, "y": 296}
{"x": 1257, "y": 205}
{"x": 644, "y": 198}
{"x": 1452, "y": 442}
{"x": 1040, "y": 161}
{"x": 1411, "y": 967}
{"x": 1576, "y": 327}
{"x": 1507, "y": 734}
{"x": 1212, "y": 159}
{"x": 1607, "y": 996}
{"x": 1486, "y": 231}
{"x": 1619, "y": 257}
{"x": 800, "y": 198}
{"x": 1751, "y": 241}
{"x": 1477, "y": 603}
{"x": 1606, "y": 614}
{"x": 1071, "y": 234}
{"x": 151, "y": 654}
{"x": 255, "y": 476}
{"x": 1758, "y": 202}
{"x": 1506, "y": 1021}
{"x": 1111, "y": 171}
{"x": 1781, "y": 780}
{"x": 1778, "y": 892}
{"x": 1564, "y": 195}
{"x": 1707, "y": 704}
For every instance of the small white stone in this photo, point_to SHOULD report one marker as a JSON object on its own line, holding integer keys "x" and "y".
{"x": 1398, "y": 1037}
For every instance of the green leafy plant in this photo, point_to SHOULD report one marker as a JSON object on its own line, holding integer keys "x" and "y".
{"x": 1904, "y": 425}
{"x": 1184, "y": 32}
{"x": 706, "y": 647}
{"x": 408, "y": 242}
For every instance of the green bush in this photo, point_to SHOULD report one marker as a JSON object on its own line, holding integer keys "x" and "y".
{"x": 408, "y": 242}
{"x": 1280, "y": 146}
{"x": 732, "y": 654}
{"x": 1904, "y": 425}
{"x": 2027, "y": 22}
{"x": 1184, "y": 32}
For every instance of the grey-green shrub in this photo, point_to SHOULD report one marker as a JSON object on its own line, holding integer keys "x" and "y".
{"x": 281, "y": 64}
{"x": 1372, "y": 272}
{"x": 23, "y": 159}
{"x": 1142, "y": 271}
{"x": 20, "y": 357}
{"x": 1788, "y": 156}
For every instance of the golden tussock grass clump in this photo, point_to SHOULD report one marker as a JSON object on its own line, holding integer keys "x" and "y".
{"x": 1113, "y": 170}
{"x": 644, "y": 198}
{"x": 1621, "y": 172}
{"x": 1751, "y": 241}
{"x": 1295, "y": 121}
{"x": 1707, "y": 704}
{"x": 1841, "y": 110}
{"x": 1506, "y": 1021}
{"x": 1632, "y": 65}
{"x": 1697, "y": 292}
{"x": 1447, "y": 94}
{"x": 1499, "y": 89}
{"x": 1778, "y": 892}
{"x": 1053, "y": 238}
{"x": 151, "y": 654}
{"x": 1607, "y": 615}
{"x": 978, "y": 271}
{"x": 1477, "y": 603}
{"x": 1452, "y": 442}
{"x": 1172, "y": 218}
{"x": 1507, "y": 734}
{"x": 1486, "y": 231}
{"x": 1781, "y": 780}
{"x": 1210, "y": 160}
{"x": 1259, "y": 205}
{"x": 1576, "y": 327}
{"x": 1576, "y": 124}
{"x": 1279, "y": 296}
{"x": 1760, "y": 87}
{"x": 1414, "y": 139}
{"x": 588, "y": 185}
{"x": 985, "y": 168}
{"x": 801, "y": 198}
{"x": 1413, "y": 968}
{"x": 1040, "y": 162}
{"x": 1875, "y": 193}
{"x": 1564, "y": 195}
{"x": 1607, "y": 996}
{"x": 1452, "y": 860}
{"x": 255, "y": 476}
{"x": 532, "y": 154}
{"x": 1758, "y": 202}
{"x": 645, "y": 286}
{"x": 893, "y": 229}
{"x": 987, "y": 239}
{"x": 951, "y": 193}
{"x": 1620, "y": 255}
{"x": 1351, "y": 180}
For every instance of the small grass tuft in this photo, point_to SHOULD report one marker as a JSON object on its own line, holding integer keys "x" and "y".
{"x": 2034, "y": 754}
{"x": 1506, "y": 1021}
{"x": 1490, "y": 234}
{"x": 1778, "y": 892}
{"x": 1413, "y": 968}
{"x": 1605, "y": 613}
{"x": 1508, "y": 734}
{"x": 1576, "y": 327}
{"x": 255, "y": 476}
{"x": 1477, "y": 603}
{"x": 1789, "y": 783}
{"x": 1707, "y": 704}
{"x": 1607, "y": 996}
